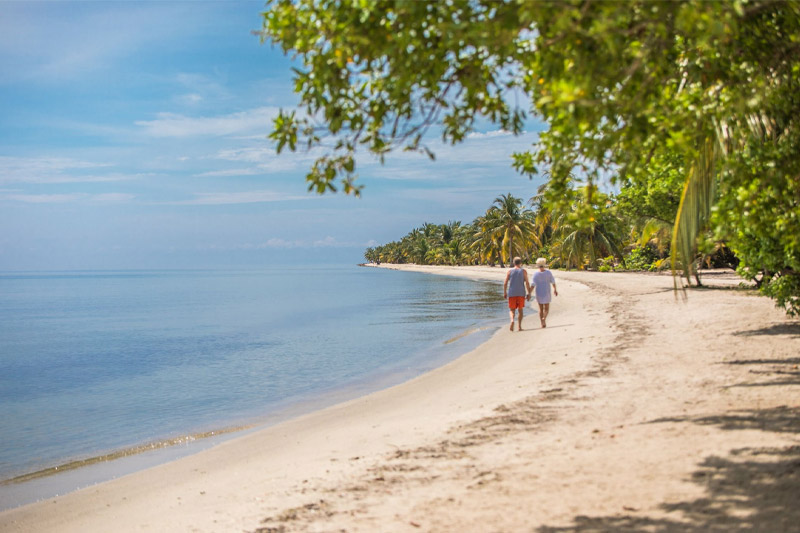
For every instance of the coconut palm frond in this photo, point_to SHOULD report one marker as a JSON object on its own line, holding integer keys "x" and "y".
{"x": 657, "y": 231}
{"x": 608, "y": 242}
{"x": 694, "y": 209}
{"x": 571, "y": 250}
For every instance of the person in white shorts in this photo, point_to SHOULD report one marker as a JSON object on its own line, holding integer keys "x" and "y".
{"x": 542, "y": 279}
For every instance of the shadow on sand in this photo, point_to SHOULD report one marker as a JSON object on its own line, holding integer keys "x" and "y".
{"x": 781, "y": 371}
{"x": 790, "y": 330}
{"x": 752, "y": 489}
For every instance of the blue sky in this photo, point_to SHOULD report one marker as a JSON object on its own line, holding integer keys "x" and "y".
{"x": 133, "y": 135}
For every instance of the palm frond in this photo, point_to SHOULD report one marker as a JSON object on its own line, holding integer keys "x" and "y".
{"x": 695, "y": 208}
{"x": 655, "y": 230}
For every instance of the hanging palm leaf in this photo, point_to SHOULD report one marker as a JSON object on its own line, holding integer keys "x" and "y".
{"x": 694, "y": 209}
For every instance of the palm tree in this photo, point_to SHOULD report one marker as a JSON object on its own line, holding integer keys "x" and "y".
{"x": 656, "y": 233}
{"x": 448, "y": 231}
{"x": 514, "y": 224}
{"x": 486, "y": 243}
{"x": 543, "y": 219}
{"x": 415, "y": 246}
{"x": 585, "y": 230}
{"x": 730, "y": 135}
{"x": 429, "y": 230}
{"x": 454, "y": 252}
{"x": 695, "y": 207}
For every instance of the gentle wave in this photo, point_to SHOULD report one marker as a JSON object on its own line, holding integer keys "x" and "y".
{"x": 119, "y": 454}
{"x": 467, "y": 333}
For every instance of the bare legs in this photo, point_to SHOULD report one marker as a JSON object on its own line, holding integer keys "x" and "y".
{"x": 544, "y": 309}
{"x": 511, "y": 315}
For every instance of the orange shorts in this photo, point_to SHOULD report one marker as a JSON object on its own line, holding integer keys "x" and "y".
{"x": 516, "y": 302}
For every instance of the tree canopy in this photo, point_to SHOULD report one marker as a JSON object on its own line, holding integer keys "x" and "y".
{"x": 692, "y": 107}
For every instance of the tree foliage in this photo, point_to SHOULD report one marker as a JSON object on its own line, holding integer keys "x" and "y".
{"x": 512, "y": 225}
{"x": 585, "y": 230}
{"x": 509, "y": 228}
{"x": 708, "y": 88}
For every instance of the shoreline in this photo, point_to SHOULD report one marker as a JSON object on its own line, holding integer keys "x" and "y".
{"x": 318, "y": 412}
{"x": 538, "y": 427}
{"x": 83, "y": 472}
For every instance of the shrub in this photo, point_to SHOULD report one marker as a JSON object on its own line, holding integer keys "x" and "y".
{"x": 642, "y": 258}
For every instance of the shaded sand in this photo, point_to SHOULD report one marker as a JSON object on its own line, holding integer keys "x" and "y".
{"x": 631, "y": 412}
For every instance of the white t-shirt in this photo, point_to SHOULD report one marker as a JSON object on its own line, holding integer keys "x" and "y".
{"x": 541, "y": 281}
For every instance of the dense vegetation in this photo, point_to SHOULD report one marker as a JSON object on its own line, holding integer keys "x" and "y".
{"x": 610, "y": 240}
{"x": 693, "y": 106}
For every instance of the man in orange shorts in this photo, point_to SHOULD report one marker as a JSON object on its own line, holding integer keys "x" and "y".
{"x": 516, "y": 289}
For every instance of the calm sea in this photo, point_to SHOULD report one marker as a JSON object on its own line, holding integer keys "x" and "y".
{"x": 92, "y": 363}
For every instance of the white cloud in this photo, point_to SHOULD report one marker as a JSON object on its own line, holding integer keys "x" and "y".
{"x": 264, "y": 160}
{"x": 496, "y": 133}
{"x": 245, "y": 197}
{"x": 189, "y": 99}
{"x": 200, "y": 88}
{"x": 247, "y": 155}
{"x": 459, "y": 196}
{"x": 45, "y": 198}
{"x": 107, "y": 198}
{"x": 176, "y": 125}
{"x": 57, "y": 41}
{"x": 332, "y": 242}
{"x": 279, "y": 243}
{"x": 422, "y": 172}
{"x": 55, "y": 170}
{"x": 275, "y": 242}
{"x": 480, "y": 156}
{"x": 327, "y": 242}
{"x": 267, "y": 155}
{"x": 83, "y": 127}
{"x": 490, "y": 148}
{"x": 111, "y": 198}
{"x": 229, "y": 172}
{"x": 256, "y": 137}
{"x": 270, "y": 243}
{"x": 10, "y": 164}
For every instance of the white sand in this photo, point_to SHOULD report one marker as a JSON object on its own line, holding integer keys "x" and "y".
{"x": 631, "y": 412}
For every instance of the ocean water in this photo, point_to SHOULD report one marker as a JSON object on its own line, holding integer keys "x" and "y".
{"x": 92, "y": 363}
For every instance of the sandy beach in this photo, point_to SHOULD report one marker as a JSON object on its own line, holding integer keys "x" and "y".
{"x": 635, "y": 410}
